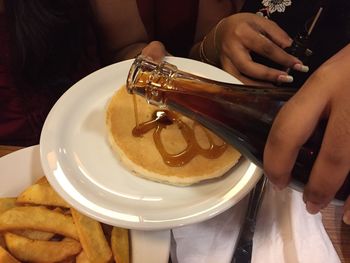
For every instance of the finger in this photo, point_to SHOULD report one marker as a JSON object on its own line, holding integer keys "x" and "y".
{"x": 332, "y": 164}
{"x": 244, "y": 64}
{"x": 261, "y": 43}
{"x": 230, "y": 68}
{"x": 346, "y": 217}
{"x": 291, "y": 128}
{"x": 227, "y": 65}
{"x": 155, "y": 50}
{"x": 275, "y": 33}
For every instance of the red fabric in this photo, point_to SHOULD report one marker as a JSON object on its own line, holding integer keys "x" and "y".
{"x": 22, "y": 109}
{"x": 171, "y": 22}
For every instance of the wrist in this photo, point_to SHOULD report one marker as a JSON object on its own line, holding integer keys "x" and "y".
{"x": 203, "y": 51}
{"x": 209, "y": 47}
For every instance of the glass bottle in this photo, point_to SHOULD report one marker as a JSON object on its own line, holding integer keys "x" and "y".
{"x": 242, "y": 115}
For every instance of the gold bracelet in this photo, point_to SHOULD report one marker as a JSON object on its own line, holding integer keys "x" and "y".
{"x": 214, "y": 38}
{"x": 202, "y": 54}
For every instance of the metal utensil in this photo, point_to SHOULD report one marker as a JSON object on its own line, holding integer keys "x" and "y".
{"x": 243, "y": 251}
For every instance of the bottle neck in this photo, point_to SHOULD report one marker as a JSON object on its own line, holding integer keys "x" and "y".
{"x": 155, "y": 81}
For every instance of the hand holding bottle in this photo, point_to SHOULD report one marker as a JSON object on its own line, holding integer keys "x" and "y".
{"x": 240, "y": 34}
{"x": 326, "y": 94}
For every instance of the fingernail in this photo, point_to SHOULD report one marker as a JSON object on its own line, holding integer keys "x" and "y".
{"x": 301, "y": 67}
{"x": 346, "y": 217}
{"x": 285, "y": 78}
{"x": 313, "y": 208}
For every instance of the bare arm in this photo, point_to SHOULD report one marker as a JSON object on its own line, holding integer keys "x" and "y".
{"x": 123, "y": 34}
{"x": 210, "y": 12}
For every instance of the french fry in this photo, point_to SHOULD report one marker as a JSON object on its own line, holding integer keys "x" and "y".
{"x": 41, "y": 251}
{"x": 92, "y": 238}
{"x": 68, "y": 260}
{"x": 29, "y": 225}
{"x": 2, "y": 242}
{"x": 38, "y": 218}
{"x": 6, "y": 204}
{"x": 120, "y": 245}
{"x": 6, "y": 257}
{"x": 41, "y": 194}
{"x": 82, "y": 258}
{"x": 41, "y": 180}
{"x": 107, "y": 231}
{"x": 34, "y": 234}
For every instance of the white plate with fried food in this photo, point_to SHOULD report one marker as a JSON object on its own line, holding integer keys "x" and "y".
{"x": 37, "y": 225}
{"x": 80, "y": 164}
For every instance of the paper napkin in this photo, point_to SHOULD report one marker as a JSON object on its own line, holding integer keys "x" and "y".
{"x": 209, "y": 241}
{"x": 285, "y": 233}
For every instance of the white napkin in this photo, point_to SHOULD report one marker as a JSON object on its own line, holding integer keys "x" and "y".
{"x": 210, "y": 241}
{"x": 285, "y": 233}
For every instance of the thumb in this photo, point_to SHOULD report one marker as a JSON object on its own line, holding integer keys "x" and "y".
{"x": 155, "y": 50}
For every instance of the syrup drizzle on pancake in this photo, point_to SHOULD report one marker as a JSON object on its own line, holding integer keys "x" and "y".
{"x": 162, "y": 118}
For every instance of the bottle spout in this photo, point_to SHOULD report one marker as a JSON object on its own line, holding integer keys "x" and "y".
{"x": 148, "y": 79}
{"x": 138, "y": 68}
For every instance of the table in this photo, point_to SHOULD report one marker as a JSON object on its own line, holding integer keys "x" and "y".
{"x": 338, "y": 232}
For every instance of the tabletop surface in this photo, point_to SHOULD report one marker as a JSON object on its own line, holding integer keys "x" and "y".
{"x": 338, "y": 232}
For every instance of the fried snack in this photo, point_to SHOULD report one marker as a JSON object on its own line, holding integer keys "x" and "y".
{"x": 6, "y": 204}
{"x": 41, "y": 251}
{"x": 33, "y": 234}
{"x": 82, "y": 258}
{"x": 68, "y": 260}
{"x": 92, "y": 238}
{"x": 38, "y": 226}
{"x": 6, "y": 257}
{"x": 41, "y": 194}
{"x": 120, "y": 245}
{"x": 38, "y": 218}
{"x": 41, "y": 180}
{"x": 2, "y": 242}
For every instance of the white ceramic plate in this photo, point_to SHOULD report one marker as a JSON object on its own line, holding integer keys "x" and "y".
{"x": 22, "y": 168}
{"x": 81, "y": 166}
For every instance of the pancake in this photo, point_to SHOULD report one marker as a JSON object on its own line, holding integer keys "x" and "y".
{"x": 143, "y": 158}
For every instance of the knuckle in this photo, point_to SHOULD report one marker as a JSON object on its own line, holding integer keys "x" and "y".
{"x": 243, "y": 67}
{"x": 239, "y": 32}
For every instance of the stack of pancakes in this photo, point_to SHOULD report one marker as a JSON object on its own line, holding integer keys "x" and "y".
{"x": 141, "y": 155}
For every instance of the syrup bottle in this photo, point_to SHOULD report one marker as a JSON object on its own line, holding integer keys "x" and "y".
{"x": 241, "y": 115}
